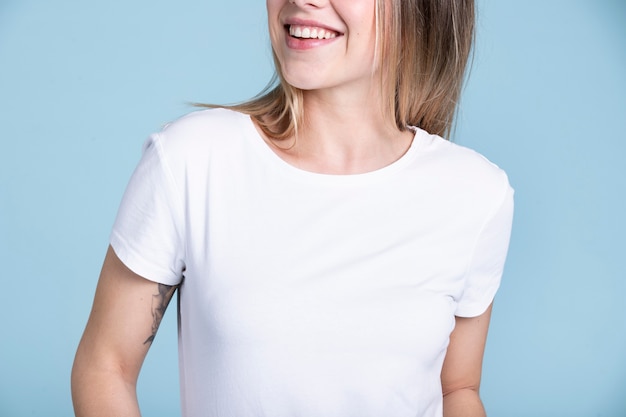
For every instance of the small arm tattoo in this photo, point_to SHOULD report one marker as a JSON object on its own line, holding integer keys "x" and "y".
{"x": 159, "y": 305}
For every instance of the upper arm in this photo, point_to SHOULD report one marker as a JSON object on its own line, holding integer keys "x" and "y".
{"x": 462, "y": 366}
{"x": 126, "y": 313}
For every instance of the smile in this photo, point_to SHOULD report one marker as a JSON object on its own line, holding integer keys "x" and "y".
{"x": 310, "y": 32}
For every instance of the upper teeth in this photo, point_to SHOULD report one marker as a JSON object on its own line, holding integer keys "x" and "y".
{"x": 308, "y": 32}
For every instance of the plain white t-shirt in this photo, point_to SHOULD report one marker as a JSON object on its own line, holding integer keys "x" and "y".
{"x": 305, "y": 294}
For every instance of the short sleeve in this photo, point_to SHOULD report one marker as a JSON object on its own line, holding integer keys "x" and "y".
{"x": 147, "y": 234}
{"x": 484, "y": 272}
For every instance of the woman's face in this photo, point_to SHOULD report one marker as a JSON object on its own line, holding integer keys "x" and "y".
{"x": 324, "y": 44}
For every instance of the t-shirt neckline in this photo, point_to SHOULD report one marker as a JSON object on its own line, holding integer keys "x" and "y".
{"x": 277, "y": 162}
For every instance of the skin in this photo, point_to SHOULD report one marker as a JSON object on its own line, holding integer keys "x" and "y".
{"x": 342, "y": 64}
{"x": 462, "y": 367}
{"x": 345, "y": 133}
{"x": 125, "y": 317}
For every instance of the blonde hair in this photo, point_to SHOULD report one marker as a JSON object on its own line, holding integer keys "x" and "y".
{"x": 422, "y": 48}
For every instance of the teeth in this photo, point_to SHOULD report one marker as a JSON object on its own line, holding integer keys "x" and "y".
{"x": 306, "y": 32}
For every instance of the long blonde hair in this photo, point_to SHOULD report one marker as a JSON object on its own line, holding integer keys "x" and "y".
{"x": 422, "y": 47}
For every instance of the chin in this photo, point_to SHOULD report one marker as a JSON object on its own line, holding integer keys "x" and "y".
{"x": 301, "y": 74}
{"x": 302, "y": 82}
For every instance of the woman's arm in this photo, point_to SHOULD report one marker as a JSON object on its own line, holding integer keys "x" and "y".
{"x": 462, "y": 367}
{"x": 126, "y": 314}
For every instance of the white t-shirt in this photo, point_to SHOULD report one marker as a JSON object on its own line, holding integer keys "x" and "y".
{"x": 307, "y": 294}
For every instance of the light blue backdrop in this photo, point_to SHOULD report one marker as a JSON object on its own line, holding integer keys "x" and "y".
{"x": 83, "y": 83}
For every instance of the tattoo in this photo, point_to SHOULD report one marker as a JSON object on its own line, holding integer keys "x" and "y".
{"x": 159, "y": 305}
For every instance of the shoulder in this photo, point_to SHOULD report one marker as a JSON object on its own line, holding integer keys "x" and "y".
{"x": 460, "y": 161}
{"x": 458, "y": 158}
{"x": 200, "y": 133}
{"x": 468, "y": 172}
{"x": 215, "y": 119}
{"x": 205, "y": 125}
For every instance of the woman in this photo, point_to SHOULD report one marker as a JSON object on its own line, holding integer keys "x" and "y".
{"x": 333, "y": 255}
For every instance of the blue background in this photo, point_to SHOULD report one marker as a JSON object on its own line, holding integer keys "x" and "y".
{"x": 83, "y": 83}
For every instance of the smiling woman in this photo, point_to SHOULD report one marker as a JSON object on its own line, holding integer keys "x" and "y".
{"x": 309, "y": 63}
{"x": 313, "y": 232}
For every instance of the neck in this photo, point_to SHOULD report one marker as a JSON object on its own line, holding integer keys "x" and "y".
{"x": 344, "y": 133}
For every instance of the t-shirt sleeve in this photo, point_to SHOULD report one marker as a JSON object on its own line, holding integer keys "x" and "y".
{"x": 147, "y": 234}
{"x": 484, "y": 273}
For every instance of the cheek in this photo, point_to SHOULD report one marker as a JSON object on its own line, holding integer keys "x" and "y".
{"x": 273, "y": 20}
{"x": 271, "y": 5}
{"x": 274, "y": 8}
{"x": 358, "y": 12}
{"x": 360, "y": 18}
